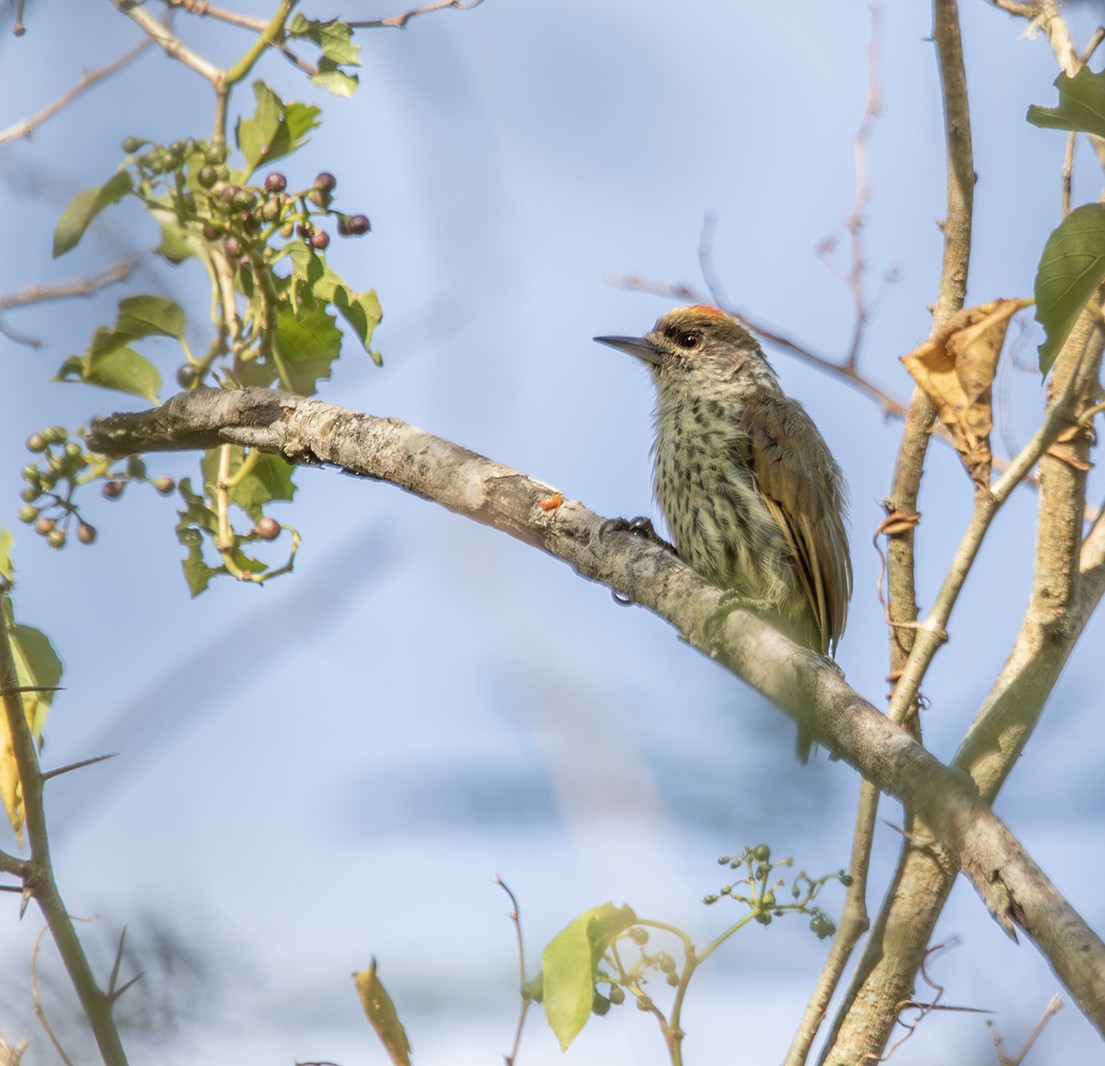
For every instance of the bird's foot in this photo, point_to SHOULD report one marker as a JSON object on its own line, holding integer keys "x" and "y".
{"x": 639, "y": 527}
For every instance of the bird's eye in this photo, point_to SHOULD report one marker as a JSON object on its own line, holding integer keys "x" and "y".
{"x": 690, "y": 340}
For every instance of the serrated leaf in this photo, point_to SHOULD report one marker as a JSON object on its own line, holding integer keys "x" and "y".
{"x": 269, "y": 478}
{"x": 569, "y": 967}
{"x": 177, "y": 243}
{"x": 307, "y": 342}
{"x": 1081, "y": 104}
{"x": 197, "y": 573}
{"x": 120, "y": 368}
{"x": 334, "y": 38}
{"x": 84, "y": 207}
{"x": 37, "y": 665}
{"x": 143, "y": 316}
{"x": 7, "y": 568}
{"x": 1072, "y": 265}
{"x": 276, "y": 128}
{"x": 334, "y": 80}
{"x": 196, "y": 512}
{"x": 382, "y": 1016}
{"x": 362, "y": 311}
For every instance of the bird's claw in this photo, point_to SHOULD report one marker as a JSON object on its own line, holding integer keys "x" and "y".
{"x": 639, "y": 527}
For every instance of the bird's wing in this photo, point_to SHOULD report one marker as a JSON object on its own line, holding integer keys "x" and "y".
{"x": 778, "y": 434}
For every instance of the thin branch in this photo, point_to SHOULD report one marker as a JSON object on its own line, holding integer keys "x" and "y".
{"x": 63, "y": 290}
{"x": 25, "y": 127}
{"x": 165, "y": 39}
{"x": 400, "y": 21}
{"x": 516, "y": 920}
{"x": 38, "y": 873}
{"x": 894, "y": 951}
{"x": 1055, "y": 1005}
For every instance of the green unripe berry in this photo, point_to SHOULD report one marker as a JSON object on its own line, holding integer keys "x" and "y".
{"x": 638, "y": 935}
{"x": 36, "y": 442}
{"x": 644, "y": 1003}
{"x": 56, "y": 538}
{"x": 164, "y": 485}
{"x": 617, "y": 995}
{"x": 599, "y": 1005}
{"x": 30, "y": 494}
{"x": 28, "y": 514}
{"x": 207, "y": 176}
{"x": 131, "y": 145}
{"x": 761, "y": 853}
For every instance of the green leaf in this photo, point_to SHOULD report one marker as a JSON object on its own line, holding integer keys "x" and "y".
{"x": 84, "y": 207}
{"x": 334, "y": 38}
{"x": 362, "y": 312}
{"x": 120, "y": 368}
{"x": 141, "y": 316}
{"x": 1081, "y": 104}
{"x": 196, "y": 512}
{"x": 307, "y": 342}
{"x": 382, "y": 1016}
{"x": 1072, "y": 265}
{"x": 36, "y": 664}
{"x": 177, "y": 243}
{"x": 269, "y": 478}
{"x": 276, "y": 128}
{"x": 569, "y": 967}
{"x": 7, "y": 568}
{"x": 197, "y": 573}
{"x": 334, "y": 80}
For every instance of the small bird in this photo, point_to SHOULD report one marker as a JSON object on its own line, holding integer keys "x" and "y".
{"x": 752, "y": 496}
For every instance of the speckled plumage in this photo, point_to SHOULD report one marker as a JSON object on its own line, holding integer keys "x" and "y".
{"x": 752, "y": 496}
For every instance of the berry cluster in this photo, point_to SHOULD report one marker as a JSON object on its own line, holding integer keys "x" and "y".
{"x": 62, "y": 465}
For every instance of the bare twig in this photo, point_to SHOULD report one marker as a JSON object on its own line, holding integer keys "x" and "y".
{"x": 40, "y": 1012}
{"x": 63, "y": 290}
{"x": 165, "y": 39}
{"x": 400, "y": 21}
{"x": 25, "y": 127}
{"x": 1055, "y": 1005}
{"x": 515, "y": 918}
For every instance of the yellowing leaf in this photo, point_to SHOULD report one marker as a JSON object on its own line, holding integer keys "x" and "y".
{"x": 956, "y": 371}
{"x": 381, "y": 1015}
{"x": 36, "y": 665}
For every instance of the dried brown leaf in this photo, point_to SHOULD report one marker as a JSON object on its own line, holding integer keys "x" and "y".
{"x": 956, "y": 370}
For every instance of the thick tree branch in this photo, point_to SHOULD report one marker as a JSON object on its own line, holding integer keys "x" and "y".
{"x": 1014, "y": 889}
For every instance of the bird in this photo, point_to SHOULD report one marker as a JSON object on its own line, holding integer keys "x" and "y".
{"x": 752, "y": 497}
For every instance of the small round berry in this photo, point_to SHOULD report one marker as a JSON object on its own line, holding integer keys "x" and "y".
{"x": 207, "y": 176}
{"x": 358, "y": 225}
{"x": 30, "y": 494}
{"x": 187, "y": 376}
{"x": 761, "y": 853}
{"x": 131, "y": 145}
{"x": 56, "y": 538}
{"x": 320, "y": 240}
{"x": 164, "y": 485}
{"x": 36, "y": 442}
{"x": 325, "y": 182}
{"x": 45, "y": 526}
{"x": 233, "y": 247}
{"x": 112, "y": 490}
{"x": 209, "y": 232}
{"x": 86, "y": 534}
{"x": 27, "y": 513}
{"x": 617, "y": 994}
{"x": 268, "y": 528}
{"x": 638, "y": 935}
{"x": 305, "y": 229}
{"x": 276, "y": 182}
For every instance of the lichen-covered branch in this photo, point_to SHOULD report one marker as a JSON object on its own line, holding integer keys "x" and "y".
{"x": 804, "y": 685}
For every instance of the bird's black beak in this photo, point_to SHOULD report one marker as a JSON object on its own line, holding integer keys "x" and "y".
{"x": 638, "y": 346}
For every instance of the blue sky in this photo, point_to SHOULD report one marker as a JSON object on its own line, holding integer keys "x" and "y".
{"x": 335, "y": 765}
